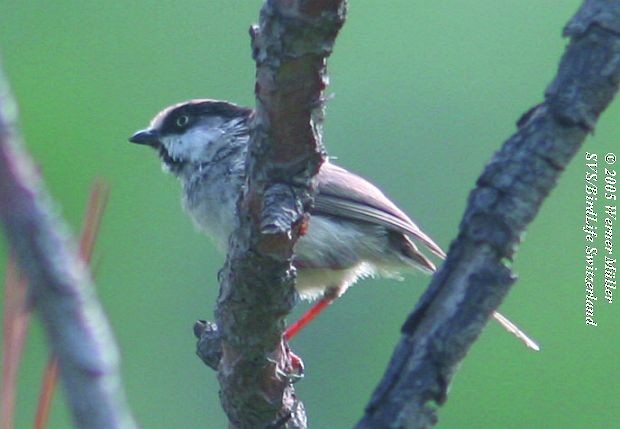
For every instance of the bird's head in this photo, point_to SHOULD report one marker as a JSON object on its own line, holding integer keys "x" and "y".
{"x": 191, "y": 133}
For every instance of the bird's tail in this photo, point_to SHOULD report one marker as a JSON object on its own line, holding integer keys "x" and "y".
{"x": 514, "y": 329}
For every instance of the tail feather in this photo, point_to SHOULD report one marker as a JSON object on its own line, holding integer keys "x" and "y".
{"x": 514, "y": 329}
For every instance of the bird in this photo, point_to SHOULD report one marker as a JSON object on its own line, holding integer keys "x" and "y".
{"x": 354, "y": 230}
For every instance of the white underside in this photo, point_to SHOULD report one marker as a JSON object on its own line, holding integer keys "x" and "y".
{"x": 327, "y": 244}
{"x": 312, "y": 282}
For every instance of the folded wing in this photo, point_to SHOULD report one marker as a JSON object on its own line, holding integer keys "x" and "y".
{"x": 347, "y": 195}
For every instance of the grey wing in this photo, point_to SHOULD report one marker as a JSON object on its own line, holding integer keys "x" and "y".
{"x": 344, "y": 194}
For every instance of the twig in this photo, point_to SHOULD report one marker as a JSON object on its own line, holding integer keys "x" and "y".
{"x": 60, "y": 286}
{"x": 90, "y": 230}
{"x": 16, "y": 321}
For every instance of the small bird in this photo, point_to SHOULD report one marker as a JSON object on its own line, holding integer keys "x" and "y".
{"x": 354, "y": 230}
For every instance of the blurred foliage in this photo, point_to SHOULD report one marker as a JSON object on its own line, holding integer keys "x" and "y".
{"x": 425, "y": 92}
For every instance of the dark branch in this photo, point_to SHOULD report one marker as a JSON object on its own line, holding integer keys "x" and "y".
{"x": 476, "y": 275}
{"x": 290, "y": 47}
{"x": 60, "y": 286}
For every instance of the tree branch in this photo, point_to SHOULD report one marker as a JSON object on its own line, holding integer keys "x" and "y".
{"x": 60, "y": 286}
{"x": 290, "y": 47}
{"x": 476, "y": 275}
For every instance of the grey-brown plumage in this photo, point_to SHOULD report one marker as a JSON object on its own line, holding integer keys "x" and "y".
{"x": 342, "y": 193}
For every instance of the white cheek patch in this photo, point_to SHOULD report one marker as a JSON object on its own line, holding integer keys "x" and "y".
{"x": 191, "y": 146}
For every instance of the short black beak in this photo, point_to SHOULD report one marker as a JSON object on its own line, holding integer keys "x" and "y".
{"x": 148, "y": 137}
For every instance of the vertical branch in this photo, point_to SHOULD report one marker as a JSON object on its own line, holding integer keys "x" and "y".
{"x": 60, "y": 286}
{"x": 290, "y": 47}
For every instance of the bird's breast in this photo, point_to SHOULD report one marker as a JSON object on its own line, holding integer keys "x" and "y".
{"x": 211, "y": 202}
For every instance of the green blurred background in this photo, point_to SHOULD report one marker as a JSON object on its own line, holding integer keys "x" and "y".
{"x": 424, "y": 93}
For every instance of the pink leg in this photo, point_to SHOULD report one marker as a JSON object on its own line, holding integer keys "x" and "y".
{"x": 307, "y": 317}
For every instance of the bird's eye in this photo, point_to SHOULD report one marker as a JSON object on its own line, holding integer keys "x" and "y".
{"x": 182, "y": 121}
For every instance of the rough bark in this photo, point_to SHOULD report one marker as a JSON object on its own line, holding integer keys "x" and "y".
{"x": 476, "y": 275}
{"x": 59, "y": 286}
{"x": 290, "y": 47}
